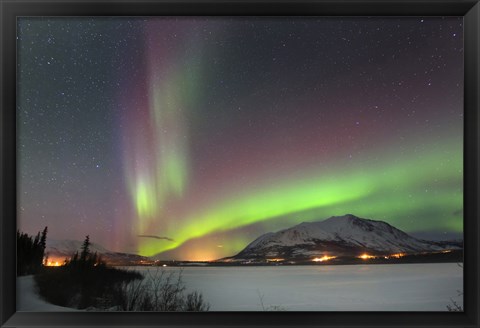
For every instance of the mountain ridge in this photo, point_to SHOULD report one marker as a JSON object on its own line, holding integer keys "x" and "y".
{"x": 346, "y": 235}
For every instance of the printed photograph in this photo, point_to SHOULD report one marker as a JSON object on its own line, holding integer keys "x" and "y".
{"x": 240, "y": 163}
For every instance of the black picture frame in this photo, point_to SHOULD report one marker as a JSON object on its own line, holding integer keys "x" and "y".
{"x": 10, "y": 10}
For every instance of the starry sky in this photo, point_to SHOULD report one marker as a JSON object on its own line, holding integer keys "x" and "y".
{"x": 189, "y": 137}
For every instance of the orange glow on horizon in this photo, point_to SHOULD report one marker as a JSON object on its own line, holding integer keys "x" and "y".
{"x": 366, "y": 256}
{"x": 199, "y": 255}
{"x": 323, "y": 258}
{"x": 398, "y": 255}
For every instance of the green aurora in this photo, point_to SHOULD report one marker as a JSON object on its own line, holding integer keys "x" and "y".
{"x": 213, "y": 131}
{"x": 390, "y": 191}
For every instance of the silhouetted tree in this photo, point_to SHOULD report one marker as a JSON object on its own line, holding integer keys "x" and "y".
{"x": 85, "y": 260}
{"x": 30, "y": 252}
{"x": 43, "y": 238}
{"x": 85, "y": 249}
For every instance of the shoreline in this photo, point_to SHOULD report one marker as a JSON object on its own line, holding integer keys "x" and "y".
{"x": 455, "y": 256}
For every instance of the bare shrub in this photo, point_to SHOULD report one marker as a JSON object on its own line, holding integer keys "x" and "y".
{"x": 159, "y": 291}
{"x": 454, "y": 306}
{"x": 131, "y": 295}
{"x": 194, "y": 302}
{"x": 270, "y": 307}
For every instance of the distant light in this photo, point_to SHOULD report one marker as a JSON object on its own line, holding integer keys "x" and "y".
{"x": 53, "y": 263}
{"x": 164, "y": 265}
{"x": 323, "y": 258}
{"x": 366, "y": 257}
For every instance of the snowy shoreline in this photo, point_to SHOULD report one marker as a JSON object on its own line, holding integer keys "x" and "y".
{"x": 29, "y": 300}
{"x": 412, "y": 287}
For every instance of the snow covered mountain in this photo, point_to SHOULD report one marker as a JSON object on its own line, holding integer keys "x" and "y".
{"x": 59, "y": 250}
{"x": 345, "y": 235}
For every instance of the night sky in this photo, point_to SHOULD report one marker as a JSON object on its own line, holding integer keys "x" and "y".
{"x": 196, "y": 135}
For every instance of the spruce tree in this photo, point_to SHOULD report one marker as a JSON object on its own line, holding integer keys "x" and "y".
{"x": 85, "y": 249}
{"x": 43, "y": 238}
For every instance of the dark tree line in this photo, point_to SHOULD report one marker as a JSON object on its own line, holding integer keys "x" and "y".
{"x": 83, "y": 281}
{"x": 30, "y": 252}
{"x": 86, "y": 259}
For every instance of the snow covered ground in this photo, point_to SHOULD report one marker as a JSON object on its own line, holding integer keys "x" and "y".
{"x": 29, "y": 300}
{"x": 397, "y": 287}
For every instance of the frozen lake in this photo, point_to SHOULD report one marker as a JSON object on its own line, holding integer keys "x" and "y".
{"x": 398, "y": 287}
